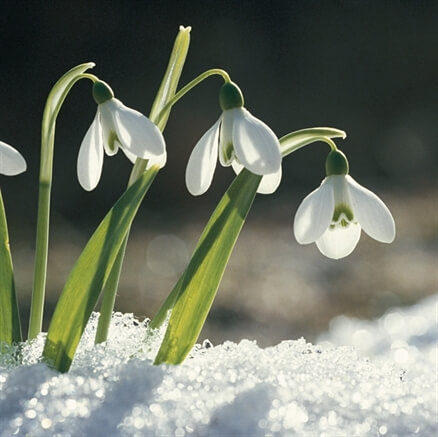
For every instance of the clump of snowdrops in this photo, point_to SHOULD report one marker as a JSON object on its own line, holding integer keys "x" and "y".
{"x": 332, "y": 216}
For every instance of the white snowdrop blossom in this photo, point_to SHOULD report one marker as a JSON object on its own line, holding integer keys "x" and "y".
{"x": 238, "y": 139}
{"x": 333, "y": 215}
{"x": 117, "y": 126}
{"x": 11, "y": 160}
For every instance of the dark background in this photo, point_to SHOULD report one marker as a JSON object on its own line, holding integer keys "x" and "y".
{"x": 367, "y": 67}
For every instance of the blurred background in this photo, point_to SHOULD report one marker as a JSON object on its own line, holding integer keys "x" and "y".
{"x": 367, "y": 67}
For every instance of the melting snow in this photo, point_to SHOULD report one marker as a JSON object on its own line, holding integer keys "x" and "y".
{"x": 364, "y": 378}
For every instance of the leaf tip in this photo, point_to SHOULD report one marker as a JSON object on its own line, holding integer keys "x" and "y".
{"x": 185, "y": 28}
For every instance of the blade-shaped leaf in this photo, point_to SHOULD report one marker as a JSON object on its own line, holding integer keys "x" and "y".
{"x": 205, "y": 270}
{"x": 171, "y": 77}
{"x": 10, "y": 329}
{"x": 300, "y": 138}
{"x": 89, "y": 274}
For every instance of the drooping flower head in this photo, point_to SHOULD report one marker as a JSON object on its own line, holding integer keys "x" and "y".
{"x": 333, "y": 215}
{"x": 238, "y": 139}
{"x": 11, "y": 160}
{"x": 116, "y": 126}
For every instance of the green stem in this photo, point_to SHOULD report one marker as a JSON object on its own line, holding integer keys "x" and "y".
{"x": 41, "y": 249}
{"x": 185, "y": 89}
{"x": 109, "y": 296}
{"x": 92, "y": 77}
{"x": 296, "y": 140}
{"x": 53, "y": 106}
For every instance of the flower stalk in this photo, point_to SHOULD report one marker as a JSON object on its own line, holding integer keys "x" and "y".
{"x": 53, "y": 106}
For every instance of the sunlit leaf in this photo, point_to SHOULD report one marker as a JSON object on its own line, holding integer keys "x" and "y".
{"x": 206, "y": 268}
{"x": 171, "y": 77}
{"x": 10, "y": 330}
{"x": 89, "y": 274}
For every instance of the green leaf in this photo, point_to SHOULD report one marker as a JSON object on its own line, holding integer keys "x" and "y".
{"x": 300, "y": 138}
{"x": 10, "y": 329}
{"x": 205, "y": 270}
{"x": 89, "y": 274}
{"x": 171, "y": 77}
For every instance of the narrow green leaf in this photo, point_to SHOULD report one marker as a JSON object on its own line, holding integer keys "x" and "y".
{"x": 205, "y": 270}
{"x": 300, "y": 138}
{"x": 171, "y": 77}
{"x": 10, "y": 328}
{"x": 89, "y": 274}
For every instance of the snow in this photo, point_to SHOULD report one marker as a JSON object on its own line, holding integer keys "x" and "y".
{"x": 363, "y": 378}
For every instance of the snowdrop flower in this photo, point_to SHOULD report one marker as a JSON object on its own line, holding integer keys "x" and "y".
{"x": 238, "y": 139}
{"x": 117, "y": 126}
{"x": 11, "y": 161}
{"x": 333, "y": 215}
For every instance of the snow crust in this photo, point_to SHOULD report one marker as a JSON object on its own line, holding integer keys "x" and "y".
{"x": 365, "y": 378}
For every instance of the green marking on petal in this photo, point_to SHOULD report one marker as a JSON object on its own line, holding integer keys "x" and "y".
{"x": 342, "y": 214}
{"x": 112, "y": 141}
{"x": 228, "y": 153}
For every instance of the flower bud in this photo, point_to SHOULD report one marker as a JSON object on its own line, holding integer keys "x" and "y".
{"x": 336, "y": 163}
{"x": 230, "y": 96}
{"x": 102, "y": 92}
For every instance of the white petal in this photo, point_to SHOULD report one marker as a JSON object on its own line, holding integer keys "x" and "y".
{"x": 11, "y": 160}
{"x": 90, "y": 158}
{"x": 202, "y": 162}
{"x": 150, "y": 163}
{"x": 255, "y": 145}
{"x": 314, "y": 214}
{"x": 339, "y": 242}
{"x": 371, "y": 213}
{"x": 139, "y": 135}
{"x": 269, "y": 182}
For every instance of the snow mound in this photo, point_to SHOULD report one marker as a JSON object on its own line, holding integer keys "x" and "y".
{"x": 292, "y": 389}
